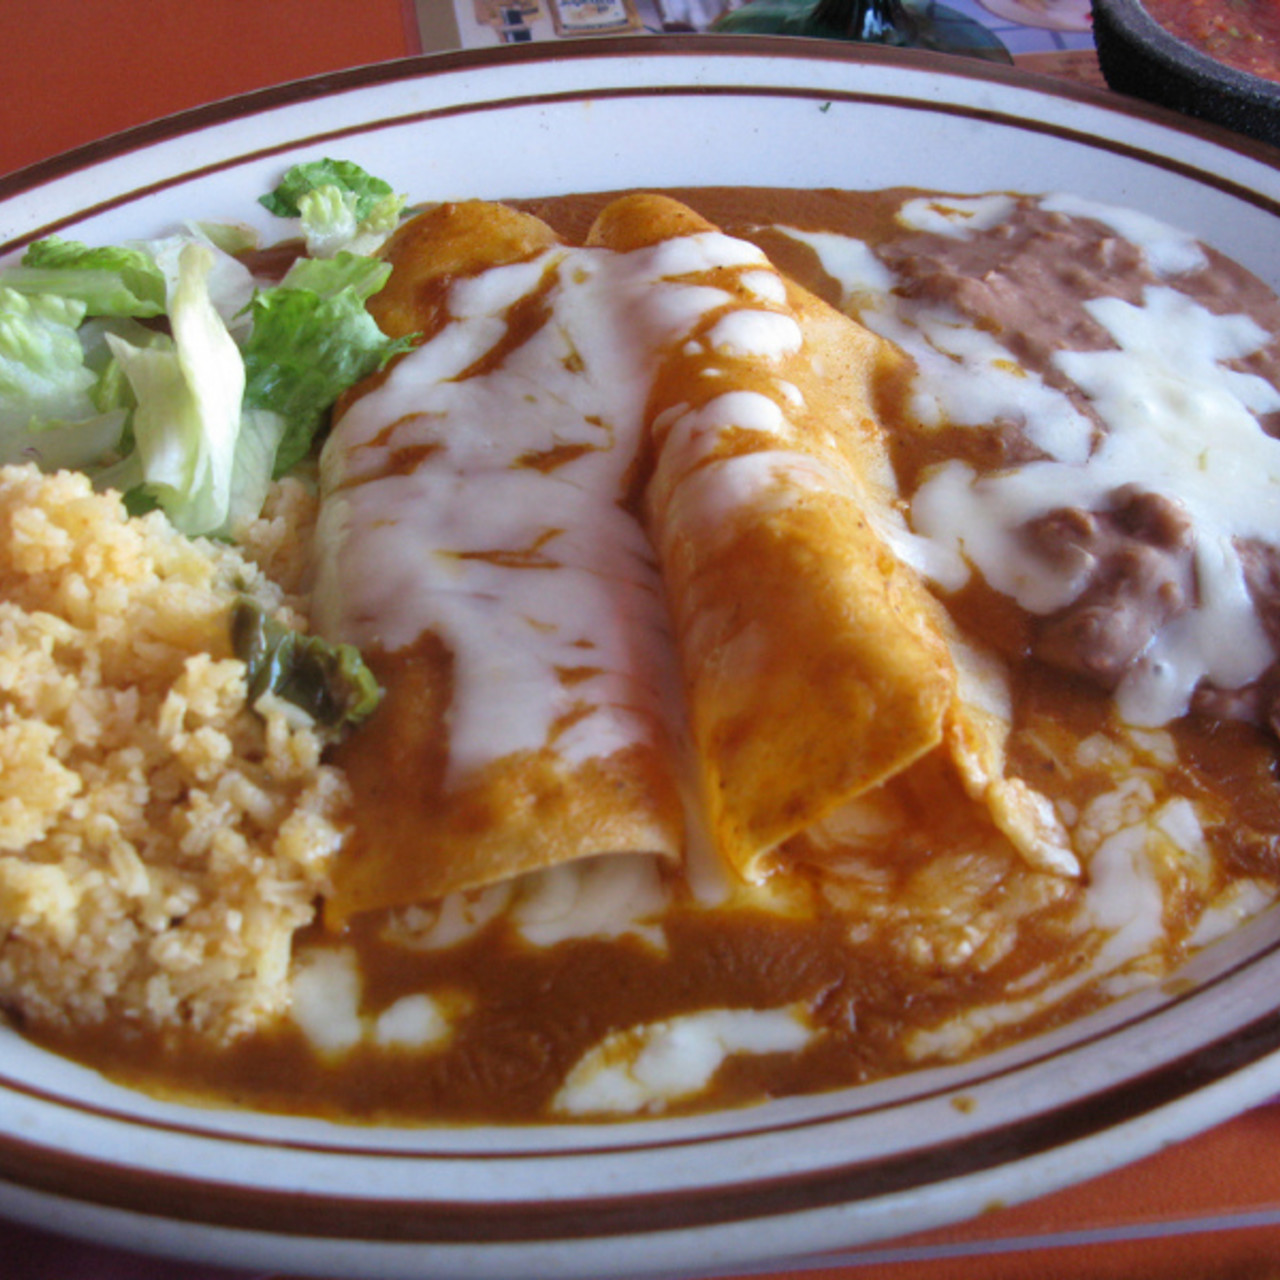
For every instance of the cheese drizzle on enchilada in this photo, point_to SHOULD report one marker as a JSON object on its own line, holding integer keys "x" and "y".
{"x": 487, "y": 514}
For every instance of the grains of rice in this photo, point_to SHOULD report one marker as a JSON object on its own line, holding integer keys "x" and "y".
{"x": 160, "y": 840}
{"x": 277, "y": 540}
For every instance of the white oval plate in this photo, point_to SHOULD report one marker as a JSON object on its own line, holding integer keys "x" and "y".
{"x": 732, "y": 1191}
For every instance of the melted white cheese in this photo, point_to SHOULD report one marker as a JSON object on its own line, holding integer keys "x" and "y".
{"x": 1124, "y": 897}
{"x": 412, "y": 1022}
{"x": 326, "y": 1001}
{"x": 1240, "y": 901}
{"x": 768, "y": 286}
{"x": 1165, "y": 395}
{"x": 1132, "y": 845}
{"x": 970, "y": 380}
{"x": 851, "y": 263}
{"x": 449, "y": 921}
{"x": 593, "y": 898}
{"x": 645, "y": 1068}
{"x": 1169, "y": 251}
{"x": 526, "y": 571}
{"x": 764, "y": 334}
{"x": 600, "y": 898}
{"x": 956, "y": 216}
{"x": 327, "y": 989}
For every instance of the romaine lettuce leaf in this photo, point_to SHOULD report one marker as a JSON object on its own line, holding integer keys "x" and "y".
{"x": 230, "y": 283}
{"x": 112, "y": 390}
{"x": 253, "y": 467}
{"x": 42, "y": 371}
{"x": 74, "y": 446}
{"x": 312, "y": 338}
{"x": 49, "y": 411}
{"x": 115, "y": 280}
{"x": 346, "y": 175}
{"x": 196, "y": 414}
{"x": 330, "y": 276}
{"x": 341, "y": 207}
{"x": 230, "y": 237}
{"x": 187, "y": 422}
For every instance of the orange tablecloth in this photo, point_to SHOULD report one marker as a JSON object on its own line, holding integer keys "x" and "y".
{"x": 76, "y": 70}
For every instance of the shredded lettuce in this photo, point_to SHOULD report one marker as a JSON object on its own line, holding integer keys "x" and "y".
{"x": 164, "y": 369}
{"x": 115, "y": 280}
{"x": 312, "y": 338}
{"x": 48, "y": 410}
{"x": 231, "y": 285}
{"x": 231, "y": 237}
{"x": 189, "y": 395}
{"x": 341, "y": 207}
{"x": 42, "y": 371}
{"x": 132, "y": 280}
{"x": 112, "y": 390}
{"x": 254, "y": 466}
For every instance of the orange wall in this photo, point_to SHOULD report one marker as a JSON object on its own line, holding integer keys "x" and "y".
{"x": 210, "y": 49}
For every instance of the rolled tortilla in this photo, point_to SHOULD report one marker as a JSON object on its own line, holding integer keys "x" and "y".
{"x": 811, "y": 669}
{"x": 625, "y": 503}
{"x": 475, "y": 544}
{"x": 817, "y": 665}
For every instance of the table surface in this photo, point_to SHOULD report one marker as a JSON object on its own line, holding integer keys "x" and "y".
{"x": 1205, "y": 1208}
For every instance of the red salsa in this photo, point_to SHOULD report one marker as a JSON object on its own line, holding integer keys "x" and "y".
{"x": 1244, "y": 34}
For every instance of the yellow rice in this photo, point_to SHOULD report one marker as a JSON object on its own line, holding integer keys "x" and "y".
{"x": 160, "y": 840}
